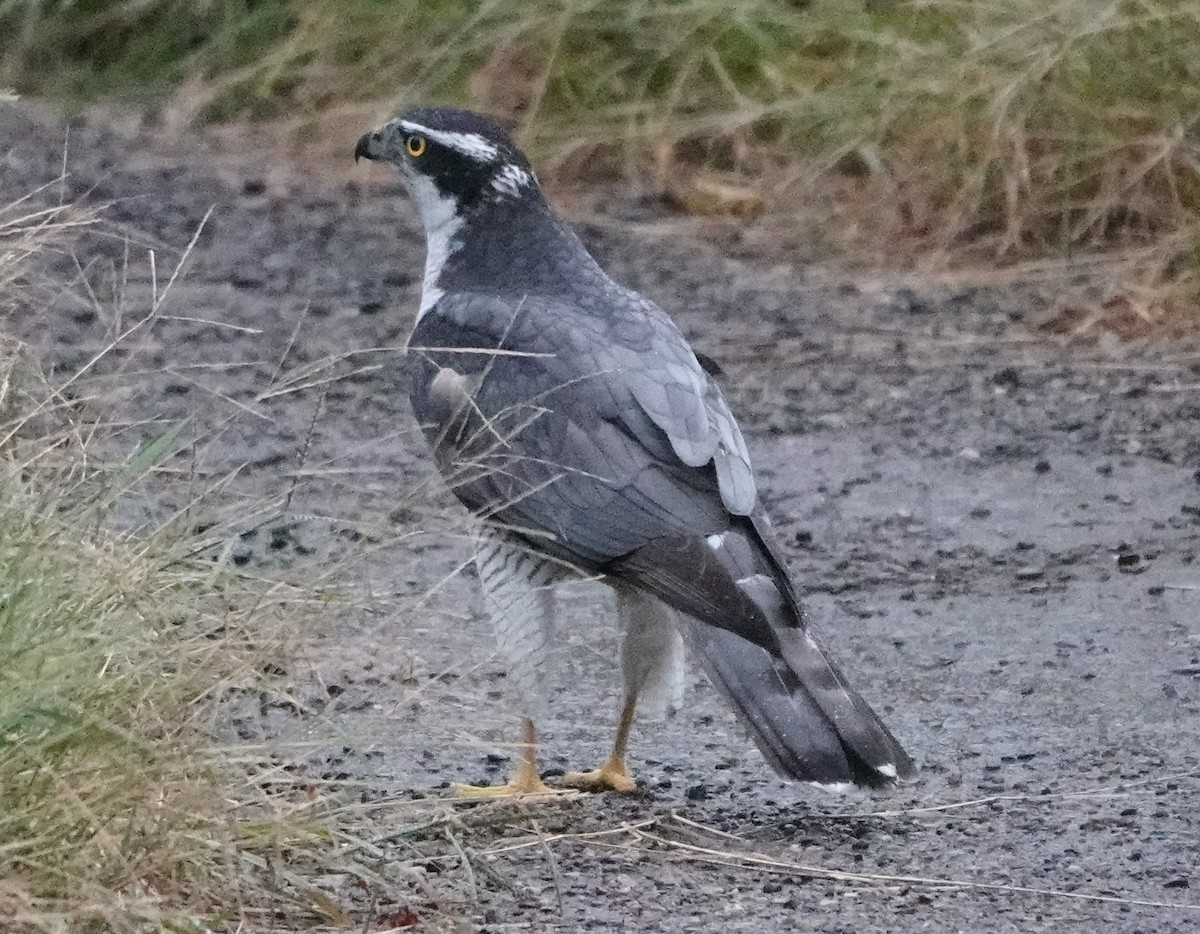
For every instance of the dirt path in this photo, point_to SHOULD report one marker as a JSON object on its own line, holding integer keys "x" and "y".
{"x": 996, "y": 527}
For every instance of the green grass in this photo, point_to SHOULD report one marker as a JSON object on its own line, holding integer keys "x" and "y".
{"x": 124, "y": 652}
{"x": 112, "y": 810}
{"x": 105, "y": 801}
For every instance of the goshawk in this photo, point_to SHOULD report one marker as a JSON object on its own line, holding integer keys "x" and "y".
{"x": 573, "y": 420}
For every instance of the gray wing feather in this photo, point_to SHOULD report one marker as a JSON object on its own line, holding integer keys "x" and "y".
{"x": 677, "y": 407}
{"x": 732, "y": 460}
{"x": 599, "y": 432}
{"x": 682, "y": 401}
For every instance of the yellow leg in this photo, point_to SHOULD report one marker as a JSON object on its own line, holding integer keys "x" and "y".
{"x": 614, "y": 774}
{"x": 525, "y": 782}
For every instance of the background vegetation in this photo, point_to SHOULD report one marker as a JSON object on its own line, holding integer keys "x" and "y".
{"x": 1023, "y": 127}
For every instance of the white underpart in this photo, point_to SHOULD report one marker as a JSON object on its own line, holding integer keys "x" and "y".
{"x": 517, "y": 593}
{"x": 652, "y": 658}
{"x": 837, "y": 788}
{"x": 511, "y": 179}
{"x": 469, "y": 144}
{"x": 439, "y": 217}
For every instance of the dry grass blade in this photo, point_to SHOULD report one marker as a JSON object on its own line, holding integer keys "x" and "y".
{"x": 1015, "y": 127}
{"x": 731, "y": 857}
{"x": 707, "y": 844}
{"x": 540, "y": 840}
{"x": 1116, "y": 791}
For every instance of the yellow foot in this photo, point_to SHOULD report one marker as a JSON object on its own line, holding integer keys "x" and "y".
{"x": 520, "y": 784}
{"x": 612, "y": 776}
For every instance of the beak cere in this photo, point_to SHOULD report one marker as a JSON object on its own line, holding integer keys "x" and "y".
{"x": 363, "y": 149}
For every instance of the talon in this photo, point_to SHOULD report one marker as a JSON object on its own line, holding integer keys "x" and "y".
{"x": 612, "y": 776}
{"x": 519, "y": 785}
{"x": 525, "y": 782}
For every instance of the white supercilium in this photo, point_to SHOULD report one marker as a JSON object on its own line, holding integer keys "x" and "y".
{"x": 473, "y": 145}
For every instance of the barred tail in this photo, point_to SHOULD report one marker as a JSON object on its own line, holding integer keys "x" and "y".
{"x": 747, "y": 627}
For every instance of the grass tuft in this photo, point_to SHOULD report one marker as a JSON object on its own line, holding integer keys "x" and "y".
{"x": 104, "y": 670}
{"x": 111, "y": 658}
{"x": 128, "y": 646}
{"x": 1025, "y": 125}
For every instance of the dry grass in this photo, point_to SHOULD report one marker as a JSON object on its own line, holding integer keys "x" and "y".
{"x": 127, "y": 644}
{"x": 1012, "y": 128}
{"x": 112, "y": 652}
{"x": 1022, "y": 129}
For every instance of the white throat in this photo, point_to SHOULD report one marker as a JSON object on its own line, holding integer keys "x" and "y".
{"x": 440, "y": 218}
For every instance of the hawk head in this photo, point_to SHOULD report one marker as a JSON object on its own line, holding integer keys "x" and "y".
{"x": 450, "y": 160}
{"x": 488, "y": 227}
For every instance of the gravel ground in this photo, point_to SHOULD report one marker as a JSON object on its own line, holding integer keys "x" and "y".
{"x": 996, "y": 525}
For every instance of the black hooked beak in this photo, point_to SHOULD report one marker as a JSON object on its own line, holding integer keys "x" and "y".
{"x": 363, "y": 149}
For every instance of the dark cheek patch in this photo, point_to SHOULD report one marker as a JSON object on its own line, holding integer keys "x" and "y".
{"x": 462, "y": 177}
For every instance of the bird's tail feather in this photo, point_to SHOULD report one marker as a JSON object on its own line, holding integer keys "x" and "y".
{"x": 747, "y": 628}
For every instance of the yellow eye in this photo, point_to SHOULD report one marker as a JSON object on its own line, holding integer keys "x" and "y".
{"x": 415, "y": 146}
